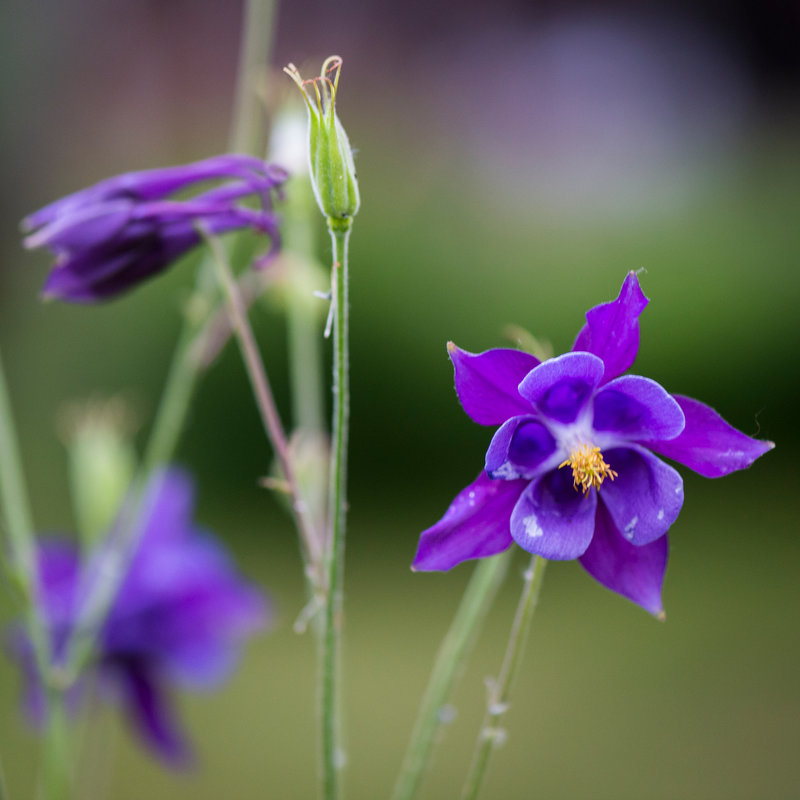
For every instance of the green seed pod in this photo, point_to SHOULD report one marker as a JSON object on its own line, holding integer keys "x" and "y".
{"x": 333, "y": 174}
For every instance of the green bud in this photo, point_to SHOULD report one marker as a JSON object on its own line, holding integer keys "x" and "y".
{"x": 333, "y": 174}
{"x": 102, "y": 463}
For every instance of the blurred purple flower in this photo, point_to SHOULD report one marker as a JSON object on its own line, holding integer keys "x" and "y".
{"x": 115, "y": 234}
{"x": 569, "y": 472}
{"x": 178, "y": 618}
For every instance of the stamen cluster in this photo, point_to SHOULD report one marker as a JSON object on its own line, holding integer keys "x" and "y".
{"x": 588, "y": 468}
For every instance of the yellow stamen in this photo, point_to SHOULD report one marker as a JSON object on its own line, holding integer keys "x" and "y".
{"x": 588, "y": 468}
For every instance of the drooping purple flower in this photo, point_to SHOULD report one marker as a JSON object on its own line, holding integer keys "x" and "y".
{"x": 113, "y": 235}
{"x": 178, "y": 619}
{"x": 570, "y": 473}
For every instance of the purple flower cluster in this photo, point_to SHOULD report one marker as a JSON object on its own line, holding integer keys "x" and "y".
{"x": 178, "y": 618}
{"x": 115, "y": 234}
{"x": 570, "y": 473}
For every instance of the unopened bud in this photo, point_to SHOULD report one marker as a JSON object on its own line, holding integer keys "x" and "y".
{"x": 102, "y": 463}
{"x": 333, "y": 174}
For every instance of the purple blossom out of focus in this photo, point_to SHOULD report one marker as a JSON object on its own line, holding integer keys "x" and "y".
{"x": 113, "y": 235}
{"x": 178, "y": 620}
{"x": 570, "y": 473}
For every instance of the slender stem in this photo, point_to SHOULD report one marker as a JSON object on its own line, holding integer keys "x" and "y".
{"x": 21, "y": 538}
{"x": 24, "y": 573}
{"x": 332, "y": 750}
{"x": 264, "y": 397}
{"x": 497, "y": 704}
{"x": 455, "y": 649}
{"x": 57, "y": 775}
{"x": 12, "y": 490}
{"x": 3, "y": 790}
{"x": 248, "y": 127}
{"x": 181, "y": 382}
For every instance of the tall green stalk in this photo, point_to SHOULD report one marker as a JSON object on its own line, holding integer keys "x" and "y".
{"x": 24, "y": 573}
{"x": 332, "y": 749}
{"x": 491, "y": 732}
{"x": 455, "y": 649}
{"x": 248, "y": 128}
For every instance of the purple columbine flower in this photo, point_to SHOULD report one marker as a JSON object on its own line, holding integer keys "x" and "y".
{"x": 570, "y": 472}
{"x": 177, "y": 620}
{"x": 115, "y": 234}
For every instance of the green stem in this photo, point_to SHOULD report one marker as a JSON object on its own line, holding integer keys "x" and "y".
{"x": 22, "y": 565}
{"x": 497, "y": 704}
{"x": 248, "y": 127}
{"x": 14, "y": 495}
{"x": 182, "y": 379}
{"x": 57, "y": 774}
{"x": 332, "y": 750}
{"x": 453, "y": 653}
{"x": 265, "y": 400}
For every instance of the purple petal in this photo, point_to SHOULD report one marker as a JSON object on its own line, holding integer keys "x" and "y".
{"x": 81, "y": 278}
{"x": 518, "y": 449}
{"x": 84, "y": 229}
{"x": 612, "y": 329}
{"x": 636, "y": 408}
{"x": 708, "y": 444}
{"x": 646, "y": 496}
{"x": 168, "y": 506}
{"x": 190, "y": 611}
{"x": 486, "y": 383}
{"x": 634, "y": 572}
{"x": 150, "y": 712}
{"x": 59, "y": 574}
{"x": 552, "y": 519}
{"x": 154, "y": 184}
{"x": 476, "y": 525}
{"x": 560, "y": 387}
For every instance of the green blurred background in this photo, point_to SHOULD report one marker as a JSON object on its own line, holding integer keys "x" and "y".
{"x": 515, "y": 160}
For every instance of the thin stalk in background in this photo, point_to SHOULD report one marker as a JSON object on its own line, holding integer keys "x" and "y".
{"x": 264, "y": 399}
{"x": 491, "y": 733}
{"x": 332, "y": 749}
{"x": 57, "y": 774}
{"x": 21, "y": 536}
{"x": 453, "y": 653}
{"x": 248, "y": 126}
{"x": 183, "y": 375}
{"x": 24, "y": 574}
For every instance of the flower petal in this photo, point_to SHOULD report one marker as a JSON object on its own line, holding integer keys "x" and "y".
{"x": 708, "y": 444}
{"x": 553, "y": 520}
{"x": 476, "y": 525}
{"x": 634, "y": 572}
{"x": 486, "y": 383}
{"x": 635, "y": 408}
{"x": 612, "y": 329}
{"x": 150, "y": 712}
{"x": 560, "y": 387}
{"x": 153, "y": 184}
{"x": 85, "y": 229}
{"x": 646, "y": 496}
{"x": 518, "y": 448}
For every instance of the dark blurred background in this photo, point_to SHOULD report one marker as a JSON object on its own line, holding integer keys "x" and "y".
{"x": 516, "y": 159}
